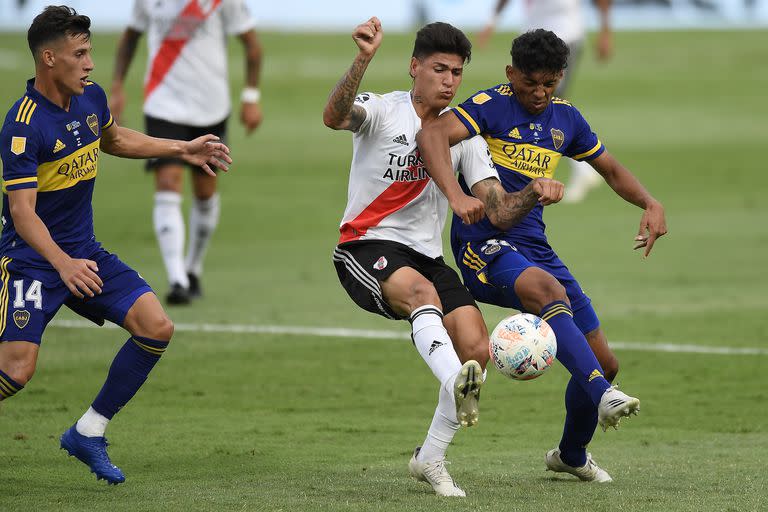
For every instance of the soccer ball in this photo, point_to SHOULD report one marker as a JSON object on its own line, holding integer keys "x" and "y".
{"x": 523, "y": 346}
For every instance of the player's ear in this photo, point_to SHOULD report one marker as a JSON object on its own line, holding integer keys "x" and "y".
{"x": 413, "y": 67}
{"x": 48, "y": 57}
{"x": 510, "y": 72}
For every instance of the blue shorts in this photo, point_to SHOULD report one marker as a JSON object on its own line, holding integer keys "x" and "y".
{"x": 31, "y": 296}
{"x": 491, "y": 267}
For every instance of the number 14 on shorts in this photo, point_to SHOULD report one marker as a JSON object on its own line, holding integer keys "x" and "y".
{"x": 33, "y": 294}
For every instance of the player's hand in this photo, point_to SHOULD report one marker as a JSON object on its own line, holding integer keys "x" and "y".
{"x": 485, "y": 35}
{"x": 604, "y": 45}
{"x": 207, "y": 151}
{"x": 250, "y": 116}
{"x": 368, "y": 35}
{"x": 548, "y": 191}
{"x": 80, "y": 277}
{"x": 469, "y": 208}
{"x": 117, "y": 101}
{"x": 652, "y": 226}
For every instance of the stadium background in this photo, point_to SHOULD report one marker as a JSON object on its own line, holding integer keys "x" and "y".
{"x": 242, "y": 415}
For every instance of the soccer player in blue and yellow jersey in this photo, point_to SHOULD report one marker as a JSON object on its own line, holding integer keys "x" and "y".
{"x": 529, "y": 131}
{"x": 50, "y": 144}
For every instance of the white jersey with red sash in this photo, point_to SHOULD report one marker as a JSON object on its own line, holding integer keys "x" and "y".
{"x": 186, "y": 80}
{"x": 391, "y": 196}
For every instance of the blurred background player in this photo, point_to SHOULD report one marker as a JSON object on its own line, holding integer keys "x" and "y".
{"x": 186, "y": 94}
{"x": 566, "y": 19}
{"x": 50, "y": 145}
{"x": 528, "y": 132}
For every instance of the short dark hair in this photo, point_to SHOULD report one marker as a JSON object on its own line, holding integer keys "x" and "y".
{"x": 441, "y": 37}
{"x": 539, "y": 50}
{"x": 54, "y": 22}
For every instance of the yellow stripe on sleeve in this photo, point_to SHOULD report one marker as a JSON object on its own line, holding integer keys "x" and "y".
{"x": 109, "y": 123}
{"x": 28, "y": 118}
{"x": 588, "y": 153}
{"x": 21, "y": 108}
{"x": 19, "y": 181}
{"x": 468, "y": 118}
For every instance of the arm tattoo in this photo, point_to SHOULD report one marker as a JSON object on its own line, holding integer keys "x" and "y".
{"x": 343, "y": 113}
{"x": 504, "y": 209}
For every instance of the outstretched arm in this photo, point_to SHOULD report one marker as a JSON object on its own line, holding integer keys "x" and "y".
{"x": 653, "y": 223}
{"x": 126, "y": 49}
{"x": 435, "y": 139}
{"x": 340, "y": 111}
{"x": 506, "y": 209}
{"x": 205, "y": 151}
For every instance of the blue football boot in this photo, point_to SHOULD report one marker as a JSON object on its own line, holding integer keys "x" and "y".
{"x": 92, "y": 451}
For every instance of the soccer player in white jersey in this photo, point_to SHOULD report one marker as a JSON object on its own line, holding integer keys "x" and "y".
{"x": 389, "y": 256}
{"x": 566, "y": 19}
{"x": 186, "y": 93}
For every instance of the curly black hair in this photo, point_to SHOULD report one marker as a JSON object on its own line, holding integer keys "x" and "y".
{"x": 539, "y": 50}
{"x": 54, "y": 22}
{"x": 441, "y": 37}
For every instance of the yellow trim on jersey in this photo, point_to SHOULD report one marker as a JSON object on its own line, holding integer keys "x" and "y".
{"x": 4, "y": 277}
{"x": 69, "y": 170}
{"x": 109, "y": 123}
{"x": 18, "y": 181}
{"x": 29, "y": 115}
{"x": 22, "y": 107}
{"x": 588, "y": 153}
{"x": 528, "y": 159}
{"x": 468, "y": 118}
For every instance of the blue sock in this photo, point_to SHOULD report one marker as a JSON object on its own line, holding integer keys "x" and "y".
{"x": 128, "y": 372}
{"x": 8, "y": 386}
{"x": 580, "y": 424}
{"x": 573, "y": 350}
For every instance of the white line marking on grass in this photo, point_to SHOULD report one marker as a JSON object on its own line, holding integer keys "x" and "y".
{"x": 333, "y": 332}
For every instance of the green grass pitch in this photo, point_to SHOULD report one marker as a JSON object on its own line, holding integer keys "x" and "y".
{"x": 289, "y": 422}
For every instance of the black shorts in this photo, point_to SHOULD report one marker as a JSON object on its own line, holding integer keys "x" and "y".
{"x": 363, "y": 264}
{"x": 167, "y": 130}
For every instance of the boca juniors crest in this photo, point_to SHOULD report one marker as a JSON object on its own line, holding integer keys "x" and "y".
{"x": 558, "y": 137}
{"x": 21, "y": 318}
{"x": 93, "y": 123}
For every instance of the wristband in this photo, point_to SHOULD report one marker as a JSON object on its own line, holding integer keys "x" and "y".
{"x": 250, "y": 95}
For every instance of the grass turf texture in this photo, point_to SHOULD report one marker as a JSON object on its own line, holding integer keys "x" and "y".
{"x": 261, "y": 422}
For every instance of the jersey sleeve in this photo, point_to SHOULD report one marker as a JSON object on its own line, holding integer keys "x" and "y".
{"x": 472, "y": 158}
{"x": 20, "y": 155}
{"x": 100, "y": 98}
{"x": 237, "y": 17}
{"x": 585, "y": 145}
{"x": 139, "y": 17}
{"x": 374, "y": 106}
{"x": 480, "y": 112}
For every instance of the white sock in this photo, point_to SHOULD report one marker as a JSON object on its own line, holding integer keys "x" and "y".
{"x": 203, "y": 219}
{"x": 441, "y": 431}
{"x": 92, "y": 424}
{"x": 169, "y": 230}
{"x": 434, "y": 344}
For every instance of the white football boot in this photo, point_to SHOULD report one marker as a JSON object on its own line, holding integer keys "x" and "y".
{"x": 589, "y": 472}
{"x": 466, "y": 391}
{"x": 614, "y": 405}
{"x": 435, "y": 474}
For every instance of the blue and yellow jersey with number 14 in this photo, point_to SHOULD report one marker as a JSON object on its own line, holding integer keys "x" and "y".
{"x": 523, "y": 146}
{"x": 55, "y": 151}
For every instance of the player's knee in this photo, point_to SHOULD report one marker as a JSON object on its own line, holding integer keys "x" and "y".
{"x": 159, "y": 328}
{"x": 20, "y": 370}
{"x": 538, "y": 288}
{"x": 423, "y": 293}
